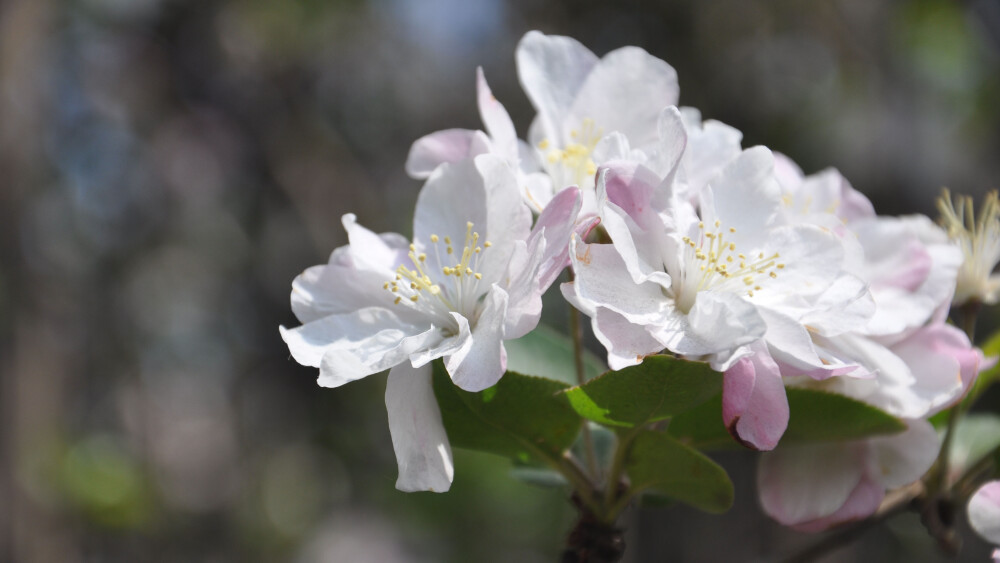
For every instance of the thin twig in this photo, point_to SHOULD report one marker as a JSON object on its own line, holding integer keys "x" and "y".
{"x": 576, "y": 329}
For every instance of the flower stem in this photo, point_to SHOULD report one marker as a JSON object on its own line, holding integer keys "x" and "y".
{"x": 576, "y": 330}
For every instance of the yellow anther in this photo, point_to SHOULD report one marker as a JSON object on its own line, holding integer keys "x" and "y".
{"x": 487, "y": 244}
{"x": 414, "y": 298}
{"x": 397, "y": 300}
{"x": 434, "y": 238}
{"x": 450, "y": 250}
{"x": 468, "y": 271}
{"x": 773, "y": 275}
{"x": 479, "y": 276}
{"x": 544, "y": 144}
{"x": 385, "y": 285}
{"x": 423, "y": 257}
{"x": 717, "y": 223}
{"x": 780, "y": 266}
{"x": 732, "y": 230}
{"x": 447, "y": 240}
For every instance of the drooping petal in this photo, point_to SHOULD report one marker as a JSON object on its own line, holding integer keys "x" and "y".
{"x": 552, "y": 69}
{"x": 418, "y": 436}
{"x": 308, "y": 343}
{"x": 377, "y": 353}
{"x": 754, "y": 404}
{"x": 483, "y": 363}
{"x": 984, "y": 512}
{"x": 450, "y": 145}
{"x": 802, "y": 483}
{"x": 556, "y": 224}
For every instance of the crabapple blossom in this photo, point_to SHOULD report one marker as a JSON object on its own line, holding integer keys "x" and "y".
{"x": 472, "y": 278}
{"x": 581, "y": 99}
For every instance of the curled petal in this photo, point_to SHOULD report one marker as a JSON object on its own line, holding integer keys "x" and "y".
{"x": 450, "y": 145}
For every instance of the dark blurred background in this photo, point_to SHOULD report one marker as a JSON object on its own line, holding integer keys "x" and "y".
{"x": 167, "y": 167}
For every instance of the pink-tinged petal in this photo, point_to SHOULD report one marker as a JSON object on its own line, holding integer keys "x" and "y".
{"x": 943, "y": 362}
{"x": 754, "y": 404}
{"x": 803, "y": 483}
{"x": 625, "y": 92}
{"x": 894, "y": 257}
{"x": 901, "y": 459}
{"x": 556, "y": 224}
{"x": 863, "y": 501}
{"x": 483, "y": 363}
{"x": 984, "y": 512}
{"x": 418, "y": 436}
{"x": 450, "y": 145}
{"x": 496, "y": 119}
{"x": 627, "y": 343}
{"x": 626, "y": 191}
{"x": 552, "y": 69}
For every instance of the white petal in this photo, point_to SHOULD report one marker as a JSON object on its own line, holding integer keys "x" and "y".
{"x": 625, "y": 92}
{"x": 746, "y": 196}
{"x": 449, "y": 145}
{"x": 984, "y": 512}
{"x": 483, "y": 363}
{"x": 627, "y": 343}
{"x": 418, "y": 436}
{"x": 602, "y": 279}
{"x": 552, "y": 69}
{"x": 380, "y": 352}
{"x": 308, "y": 343}
{"x": 496, "y": 119}
{"x": 718, "y": 323}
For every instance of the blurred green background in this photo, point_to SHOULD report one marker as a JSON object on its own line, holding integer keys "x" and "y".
{"x": 168, "y": 166}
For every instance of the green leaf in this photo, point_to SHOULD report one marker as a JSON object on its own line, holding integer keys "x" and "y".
{"x": 815, "y": 416}
{"x": 820, "y": 416}
{"x": 538, "y": 476}
{"x": 656, "y": 389}
{"x": 977, "y": 435}
{"x": 522, "y": 417}
{"x": 547, "y": 353}
{"x": 702, "y": 427}
{"x": 658, "y": 462}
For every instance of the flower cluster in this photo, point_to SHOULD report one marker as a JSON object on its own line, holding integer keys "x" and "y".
{"x": 706, "y": 250}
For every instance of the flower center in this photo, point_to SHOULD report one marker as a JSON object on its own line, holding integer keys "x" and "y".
{"x": 719, "y": 267}
{"x": 978, "y": 239}
{"x": 437, "y": 292}
{"x": 573, "y": 162}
